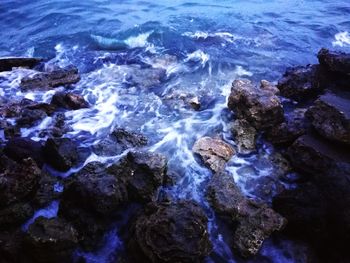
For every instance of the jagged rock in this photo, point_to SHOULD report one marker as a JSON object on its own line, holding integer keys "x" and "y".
{"x": 334, "y": 61}
{"x": 266, "y": 85}
{"x": 301, "y": 83}
{"x": 142, "y": 172}
{"x": 51, "y": 240}
{"x": 287, "y": 132}
{"x": 261, "y": 108}
{"x": 48, "y": 80}
{"x": 46, "y": 191}
{"x": 214, "y": 152}
{"x": 119, "y": 141}
{"x": 254, "y": 221}
{"x": 69, "y": 101}
{"x": 6, "y": 64}
{"x": 61, "y": 153}
{"x": 17, "y": 181}
{"x": 170, "y": 232}
{"x": 19, "y": 149}
{"x": 29, "y": 118}
{"x": 330, "y": 116}
{"x": 245, "y": 136}
{"x": 15, "y": 214}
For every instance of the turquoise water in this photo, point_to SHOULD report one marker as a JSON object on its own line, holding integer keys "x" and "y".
{"x": 139, "y": 58}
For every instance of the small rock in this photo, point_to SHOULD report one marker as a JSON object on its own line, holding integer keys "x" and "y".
{"x": 330, "y": 116}
{"x": 170, "y": 232}
{"x": 69, "y": 101}
{"x": 245, "y": 136}
{"x": 214, "y": 152}
{"x": 334, "y": 61}
{"x": 261, "y": 108}
{"x": 195, "y": 103}
{"x": 6, "y": 64}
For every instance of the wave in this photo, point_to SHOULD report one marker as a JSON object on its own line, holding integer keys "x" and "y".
{"x": 341, "y": 39}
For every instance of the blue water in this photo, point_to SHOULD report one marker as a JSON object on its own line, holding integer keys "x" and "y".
{"x": 139, "y": 59}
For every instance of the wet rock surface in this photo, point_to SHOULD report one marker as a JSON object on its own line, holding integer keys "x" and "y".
{"x": 260, "y": 107}
{"x": 245, "y": 136}
{"x": 214, "y": 152}
{"x": 170, "y": 232}
{"x": 254, "y": 221}
{"x": 334, "y": 61}
{"x": 48, "y": 80}
{"x": 6, "y": 64}
{"x": 69, "y": 101}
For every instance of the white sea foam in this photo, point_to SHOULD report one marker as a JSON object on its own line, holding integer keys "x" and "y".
{"x": 342, "y": 39}
{"x": 47, "y": 212}
{"x": 198, "y": 55}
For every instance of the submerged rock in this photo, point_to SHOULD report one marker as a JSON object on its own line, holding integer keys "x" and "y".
{"x": 334, "y": 61}
{"x": 47, "y": 80}
{"x": 170, "y": 232}
{"x": 69, "y": 101}
{"x": 214, "y": 152}
{"x": 330, "y": 116}
{"x": 6, "y": 64}
{"x": 51, "y": 240}
{"x": 260, "y": 107}
{"x": 254, "y": 221}
{"x": 245, "y": 136}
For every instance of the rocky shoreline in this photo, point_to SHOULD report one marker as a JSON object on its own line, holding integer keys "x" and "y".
{"x": 306, "y": 116}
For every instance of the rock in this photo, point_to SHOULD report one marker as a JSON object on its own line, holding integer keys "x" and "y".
{"x": 15, "y": 214}
{"x": 259, "y": 107}
{"x": 214, "y": 152}
{"x": 142, "y": 77}
{"x": 330, "y": 116}
{"x": 61, "y": 153}
{"x": 195, "y": 103}
{"x": 268, "y": 86}
{"x": 334, "y": 61}
{"x": 46, "y": 191}
{"x": 48, "y": 80}
{"x": 294, "y": 125}
{"x": 10, "y": 131}
{"x": 95, "y": 190}
{"x": 15, "y": 109}
{"x": 6, "y": 64}
{"x": 170, "y": 232}
{"x": 245, "y": 136}
{"x": 119, "y": 141}
{"x": 69, "y": 101}
{"x": 254, "y": 221}
{"x": 301, "y": 83}
{"x": 19, "y": 149}
{"x": 142, "y": 172}
{"x": 51, "y": 240}
{"x": 29, "y": 118}
{"x": 17, "y": 181}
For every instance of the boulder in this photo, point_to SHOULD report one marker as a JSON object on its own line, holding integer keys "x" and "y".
{"x": 334, "y": 61}
{"x": 119, "y": 141}
{"x": 69, "y": 100}
{"x": 170, "y": 232}
{"x": 51, "y": 240}
{"x": 260, "y": 107}
{"x": 266, "y": 85}
{"x": 214, "y": 152}
{"x": 245, "y": 136}
{"x": 46, "y": 193}
{"x": 301, "y": 83}
{"x": 254, "y": 221}
{"x": 29, "y": 118}
{"x": 6, "y": 64}
{"x": 61, "y": 153}
{"x": 19, "y": 149}
{"x": 330, "y": 116}
{"x": 48, "y": 80}
{"x": 142, "y": 172}
{"x": 294, "y": 125}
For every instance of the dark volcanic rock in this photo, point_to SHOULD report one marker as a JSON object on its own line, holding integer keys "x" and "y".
{"x": 19, "y": 149}
{"x": 48, "y": 80}
{"x": 142, "y": 172}
{"x": 295, "y": 125}
{"x": 260, "y": 107}
{"x": 6, "y": 64}
{"x": 119, "y": 141}
{"x": 334, "y": 61}
{"x": 245, "y": 136}
{"x": 46, "y": 191}
{"x": 61, "y": 153}
{"x": 15, "y": 214}
{"x": 30, "y": 117}
{"x": 330, "y": 116}
{"x": 51, "y": 240}
{"x": 11, "y": 241}
{"x": 254, "y": 221}
{"x": 301, "y": 83}
{"x": 69, "y": 101}
{"x": 17, "y": 181}
{"x": 170, "y": 232}
{"x": 215, "y": 153}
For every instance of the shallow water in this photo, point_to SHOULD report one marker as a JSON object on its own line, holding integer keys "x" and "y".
{"x": 139, "y": 58}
